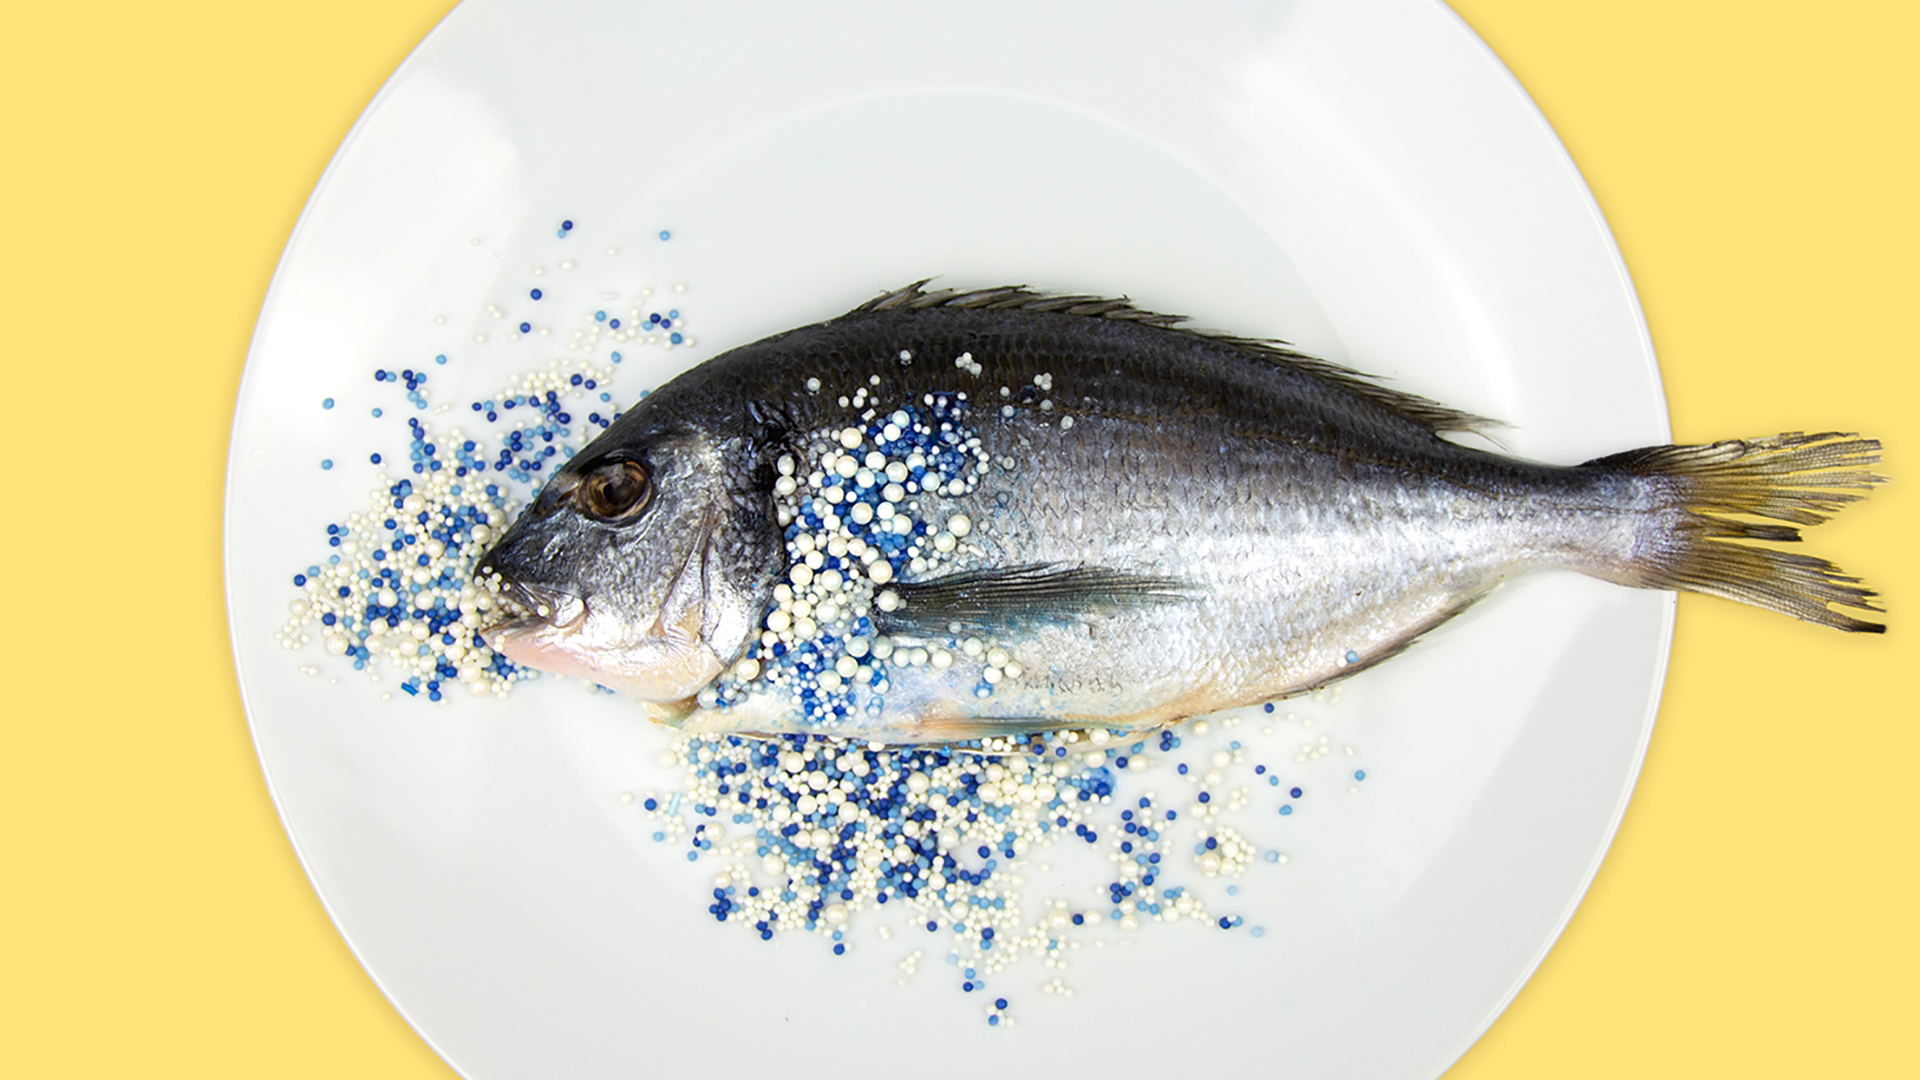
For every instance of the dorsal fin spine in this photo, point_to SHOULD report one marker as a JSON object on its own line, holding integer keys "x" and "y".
{"x": 1426, "y": 412}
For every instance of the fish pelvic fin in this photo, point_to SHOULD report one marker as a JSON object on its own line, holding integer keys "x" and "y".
{"x": 1708, "y": 491}
{"x": 1018, "y": 597}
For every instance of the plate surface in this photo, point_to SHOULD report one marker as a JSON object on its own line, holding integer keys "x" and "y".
{"x": 1363, "y": 179}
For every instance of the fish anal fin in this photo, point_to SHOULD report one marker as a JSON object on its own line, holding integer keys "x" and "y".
{"x": 1390, "y": 649}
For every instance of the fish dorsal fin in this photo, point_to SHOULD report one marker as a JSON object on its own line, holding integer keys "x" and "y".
{"x": 1016, "y": 597}
{"x": 1426, "y": 412}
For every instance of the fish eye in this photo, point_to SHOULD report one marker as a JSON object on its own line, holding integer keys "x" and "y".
{"x": 615, "y": 491}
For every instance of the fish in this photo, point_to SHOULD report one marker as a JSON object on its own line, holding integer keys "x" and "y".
{"x": 952, "y": 515}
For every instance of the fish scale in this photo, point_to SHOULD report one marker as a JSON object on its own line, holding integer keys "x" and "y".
{"x": 1158, "y": 523}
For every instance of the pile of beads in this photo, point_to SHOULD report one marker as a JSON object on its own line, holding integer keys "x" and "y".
{"x": 812, "y": 831}
{"x": 860, "y": 510}
{"x": 397, "y": 584}
{"x": 397, "y": 587}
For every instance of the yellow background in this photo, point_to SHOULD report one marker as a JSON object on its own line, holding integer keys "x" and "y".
{"x": 1756, "y": 917}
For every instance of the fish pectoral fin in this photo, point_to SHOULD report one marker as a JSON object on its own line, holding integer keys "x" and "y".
{"x": 1014, "y": 597}
{"x": 956, "y": 729}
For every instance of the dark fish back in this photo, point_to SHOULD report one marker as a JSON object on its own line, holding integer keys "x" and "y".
{"x": 1118, "y": 364}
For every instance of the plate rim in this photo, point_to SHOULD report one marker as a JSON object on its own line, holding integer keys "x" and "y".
{"x": 274, "y": 297}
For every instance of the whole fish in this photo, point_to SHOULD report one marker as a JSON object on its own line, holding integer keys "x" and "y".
{"x": 951, "y": 515}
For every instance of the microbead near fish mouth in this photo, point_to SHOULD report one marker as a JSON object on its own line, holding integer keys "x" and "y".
{"x": 519, "y": 605}
{"x": 537, "y": 604}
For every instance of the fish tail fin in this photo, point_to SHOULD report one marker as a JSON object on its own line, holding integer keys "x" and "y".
{"x": 1702, "y": 496}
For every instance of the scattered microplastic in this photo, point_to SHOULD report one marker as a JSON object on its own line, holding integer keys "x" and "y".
{"x": 395, "y": 593}
{"x": 810, "y": 832}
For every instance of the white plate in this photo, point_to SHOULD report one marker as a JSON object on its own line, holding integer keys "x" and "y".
{"x": 1364, "y": 179}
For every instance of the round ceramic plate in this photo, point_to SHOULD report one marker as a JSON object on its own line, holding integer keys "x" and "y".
{"x": 1363, "y": 179}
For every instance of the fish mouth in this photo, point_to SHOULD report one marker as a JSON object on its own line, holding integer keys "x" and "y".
{"x": 525, "y": 607}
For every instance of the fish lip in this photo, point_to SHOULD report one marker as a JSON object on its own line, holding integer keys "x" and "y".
{"x": 494, "y": 634}
{"x": 531, "y": 600}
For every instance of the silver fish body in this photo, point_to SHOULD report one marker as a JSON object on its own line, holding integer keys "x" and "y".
{"x": 949, "y": 515}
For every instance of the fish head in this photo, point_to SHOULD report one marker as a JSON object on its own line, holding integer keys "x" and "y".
{"x": 631, "y": 569}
